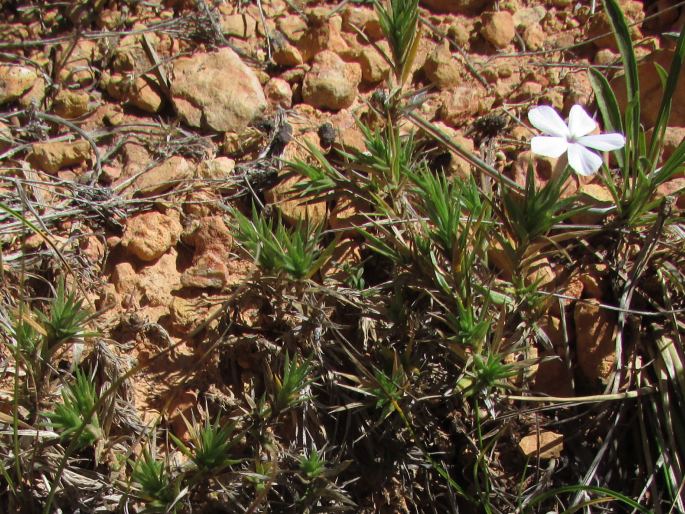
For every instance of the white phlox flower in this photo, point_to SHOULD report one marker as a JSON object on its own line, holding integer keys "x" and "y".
{"x": 572, "y": 139}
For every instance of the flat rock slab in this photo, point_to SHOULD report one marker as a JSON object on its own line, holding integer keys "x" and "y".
{"x": 161, "y": 178}
{"x": 53, "y": 156}
{"x": 216, "y": 91}
{"x": 543, "y": 445}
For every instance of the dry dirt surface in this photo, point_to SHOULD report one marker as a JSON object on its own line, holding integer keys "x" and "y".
{"x": 131, "y": 131}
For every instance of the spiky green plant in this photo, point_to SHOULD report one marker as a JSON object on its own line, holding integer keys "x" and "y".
{"x": 153, "y": 483}
{"x": 400, "y": 24}
{"x": 78, "y": 400}
{"x": 320, "y": 490}
{"x": 44, "y": 334}
{"x": 66, "y": 317}
{"x": 388, "y": 390}
{"x": 468, "y": 325}
{"x": 25, "y": 336}
{"x": 275, "y": 248}
{"x": 260, "y": 477}
{"x": 389, "y": 157}
{"x": 210, "y": 446}
{"x": 290, "y": 386}
{"x": 485, "y": 373}
{"x": 355, "y": 276}
{"x": 448, "y": 204}
{"x": 534, "y": 213}
{"x": 312, "y": 465}
{"x": 443, "y": 207}
{"x": 66, "y": 320}
{"x": 319, "y": 179}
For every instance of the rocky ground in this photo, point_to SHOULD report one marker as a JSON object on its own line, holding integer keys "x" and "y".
{"x": 130, "y": 129}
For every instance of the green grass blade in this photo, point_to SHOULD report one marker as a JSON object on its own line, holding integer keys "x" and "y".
{"x": 625, "y": 46}
{"x": 410, "y": 57}
{"x": 665, "y": 108}
{"x": 606, "y": 101}
{"x": 608, "y": 107}
{"x": 587, "y": 488}
{"x": 663, "y": 74}
{"x": 326, "y": 254}
{"x": 399, "y": 22}
{"x": 675, "y": 163}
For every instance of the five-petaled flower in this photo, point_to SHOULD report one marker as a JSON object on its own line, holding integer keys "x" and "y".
{"x": 574, "y": 138}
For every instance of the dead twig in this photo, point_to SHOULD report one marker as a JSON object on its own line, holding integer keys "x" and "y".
{"x": 266, "y": 29}
{"x": 164, "y": 82}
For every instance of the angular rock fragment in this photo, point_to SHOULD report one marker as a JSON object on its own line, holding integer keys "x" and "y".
{"x": 217, "y": 91}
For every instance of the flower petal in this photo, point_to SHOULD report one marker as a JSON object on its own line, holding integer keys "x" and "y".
{"x": 583, "y": 161}
{"x": 579, "y": 122}
{"x": 603, "y": 142}
{"x": 549, "y": 146}
{"x": 547, "y": 120}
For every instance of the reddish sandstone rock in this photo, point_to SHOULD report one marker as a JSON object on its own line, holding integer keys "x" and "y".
{"x": 543, "y": 445}
{"x": 442, "y": 69}
{"x": 187, "y": 313}
{"x": 149, "y": 235}
{"x": 139, "y": 92}
{"x": 279, "y": 93}
{"x": 674, "y": 188}
{"x": 163, "y": 177}
{"x": 52, "y": 157}
{"x": 148, "y": 287}
{"x": 458, "y": 104}
{"x": 324, "y": 32}
{"x": 78, "y": 68}
{"x": 219, "y": 169}
{"x": 331, "y": 83}
{"x": 15, "y": 81}
{"x": 284, "y": 53}
{"x": 292, "y": 26}
{"x": 157, "y": 282}
{"x": 239, "y": 25}
{"x": 651, "y": 90}
{"x": 599, "y": 26}
{"x": 364, "y": 19}
{"x": 534, "y": 37}
{"x": 374, "y": 67}
{"x": 458, "y": 165}
{"x": 348, "y": 135}
{"x": 71, "y": 104}
{"x": 672, "y": 138}
{"x": 553, "y": 376}
{"x": 498, "y": 28}
{"x": 595, "y": 341}
{"x": 217, "y": 91}
{"x": 212, "y": 242}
